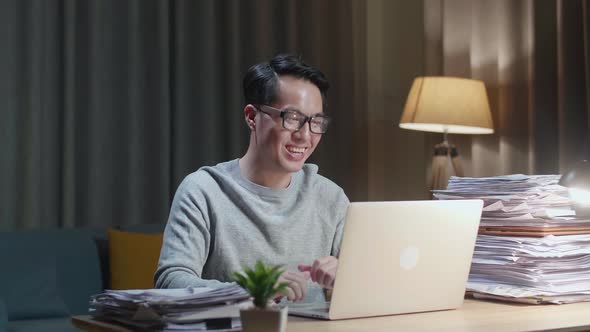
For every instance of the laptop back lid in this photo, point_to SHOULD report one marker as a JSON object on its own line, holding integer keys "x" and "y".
{"x": 402, "y": 257}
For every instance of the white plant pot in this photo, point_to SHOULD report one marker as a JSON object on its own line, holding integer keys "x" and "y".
{"x": 268, "y": 320}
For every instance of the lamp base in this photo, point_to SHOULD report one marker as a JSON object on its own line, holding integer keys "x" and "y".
{"x": 445, "y": 163}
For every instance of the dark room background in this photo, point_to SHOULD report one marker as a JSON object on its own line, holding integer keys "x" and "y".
{"x": 106, "y": 105}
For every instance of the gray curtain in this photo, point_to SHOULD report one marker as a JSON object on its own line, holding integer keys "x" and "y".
{"x": 105, "y": 105}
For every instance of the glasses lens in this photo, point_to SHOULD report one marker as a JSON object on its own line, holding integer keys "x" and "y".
{"x": 293, "y": 120}
{"x": 319, "y": 125}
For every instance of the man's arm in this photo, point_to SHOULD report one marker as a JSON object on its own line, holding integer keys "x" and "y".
{"x": 323, "y": 269}
{"x": 186, "y": 244}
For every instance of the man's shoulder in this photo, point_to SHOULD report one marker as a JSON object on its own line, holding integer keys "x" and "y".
{"x": 206, "y": 176}
{"x": 319, "y": 182}
{"x": 311, "y": 172}
{"x": 325, "y": 193}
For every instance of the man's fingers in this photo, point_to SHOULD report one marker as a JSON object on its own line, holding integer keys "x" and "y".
{"x": 319, "y": 276}
{"x": 296, "y": 287}
{"x": 330, "y": 274}
{"x": 314, "y": 269}
{"x": 304, "y": 267}
{"x": 289, "y": 293}
{"x": 328, "y": 280}
{"x": 297, "y": 283}
{"x": 302, "y": 277}
{"x": 323, "y": 271}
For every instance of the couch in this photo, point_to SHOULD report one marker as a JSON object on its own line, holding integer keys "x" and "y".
{"x": 48, "y": 275}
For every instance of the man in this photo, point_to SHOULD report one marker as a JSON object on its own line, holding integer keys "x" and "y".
{"x": 268, "y": 205}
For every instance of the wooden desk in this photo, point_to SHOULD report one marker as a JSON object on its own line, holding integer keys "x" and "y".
{"x": 475, "y": 315}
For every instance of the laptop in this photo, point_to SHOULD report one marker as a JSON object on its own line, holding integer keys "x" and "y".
{"x": 401, "y": 257}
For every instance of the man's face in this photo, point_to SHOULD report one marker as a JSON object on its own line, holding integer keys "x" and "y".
{"x": 284, "y": 150}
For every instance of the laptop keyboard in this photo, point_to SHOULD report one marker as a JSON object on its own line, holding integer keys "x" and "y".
{"x": 318, "y": 307}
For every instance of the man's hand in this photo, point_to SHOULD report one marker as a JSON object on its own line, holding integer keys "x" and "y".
{"x": 322, "y": 271}
{"x": 297, "y": 288}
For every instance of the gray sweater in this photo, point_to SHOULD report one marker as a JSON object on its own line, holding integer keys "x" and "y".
{"x": 220, "y": 223}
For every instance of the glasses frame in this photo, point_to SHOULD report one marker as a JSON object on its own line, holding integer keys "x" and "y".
{"x": 308, "y": 119}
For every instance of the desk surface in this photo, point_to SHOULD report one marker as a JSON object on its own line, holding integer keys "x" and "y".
{"x": 474, "y": 315}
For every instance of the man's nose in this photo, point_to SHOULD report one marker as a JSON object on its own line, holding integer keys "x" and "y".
{"x": 304, "y": 133}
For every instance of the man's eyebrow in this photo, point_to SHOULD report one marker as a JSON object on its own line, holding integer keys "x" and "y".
{"x": 293, "y": 108}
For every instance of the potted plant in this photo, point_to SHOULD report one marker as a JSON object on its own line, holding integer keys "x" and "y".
{"x": 261, "y": 283}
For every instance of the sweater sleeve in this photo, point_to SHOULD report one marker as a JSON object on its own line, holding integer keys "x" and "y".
{"x": 186, "y": 244}
{"x": 341, "y": 207}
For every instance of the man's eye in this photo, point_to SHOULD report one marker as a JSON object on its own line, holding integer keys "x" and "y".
{"x": 292, "y": 115}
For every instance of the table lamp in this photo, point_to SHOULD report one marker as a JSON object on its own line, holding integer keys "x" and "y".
{"x": 447, "y": 105}
{"x": 577, "y": 179}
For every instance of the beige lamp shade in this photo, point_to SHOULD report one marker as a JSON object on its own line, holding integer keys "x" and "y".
{"x": 448, "y": 104}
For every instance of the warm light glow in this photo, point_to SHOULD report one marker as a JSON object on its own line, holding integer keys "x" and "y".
{"x": 439, "y": 128}
{"x": 448, "y": 104}
{"x": 580, "y": 196}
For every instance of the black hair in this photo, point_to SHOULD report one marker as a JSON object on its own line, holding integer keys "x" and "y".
{"x": 261, "y": 80}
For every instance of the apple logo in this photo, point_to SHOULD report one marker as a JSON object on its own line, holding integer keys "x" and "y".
{"x": 408, "y": 259}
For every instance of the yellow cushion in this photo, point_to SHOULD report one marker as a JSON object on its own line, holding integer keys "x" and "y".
{"x": 133, "y": 259}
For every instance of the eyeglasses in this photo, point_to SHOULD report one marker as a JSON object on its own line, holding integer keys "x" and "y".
{"x": 294, "y": 120}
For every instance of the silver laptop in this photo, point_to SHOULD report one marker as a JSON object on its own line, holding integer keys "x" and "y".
{"x": 401, "y": 257}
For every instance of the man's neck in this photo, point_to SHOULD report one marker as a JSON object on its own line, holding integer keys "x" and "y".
{"x": 255, "y": 171}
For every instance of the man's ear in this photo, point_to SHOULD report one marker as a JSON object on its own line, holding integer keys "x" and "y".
{"x": 250, "y": 116}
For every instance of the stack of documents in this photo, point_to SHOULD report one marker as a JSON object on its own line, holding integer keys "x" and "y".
{"x": 550, "y": 269}
{"x": 531, "y": 247}
{"x": 530, "y": 205}
{"x": 173, "y": 309}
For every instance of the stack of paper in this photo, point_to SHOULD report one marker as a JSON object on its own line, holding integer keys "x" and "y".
{"x": 533, "y": 205}
{"x": 531, "y": 247}
{"x": 554, "y": 269}
{"x": 172, "y": 309}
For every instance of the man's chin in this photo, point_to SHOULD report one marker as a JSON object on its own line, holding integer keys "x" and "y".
{"x": 293, "y": 166}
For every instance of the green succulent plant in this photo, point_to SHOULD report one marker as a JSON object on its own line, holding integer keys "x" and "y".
{"x": 261, "y": 282}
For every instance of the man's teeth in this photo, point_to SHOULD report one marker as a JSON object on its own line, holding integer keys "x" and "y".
{"x": 296, "y": 150}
